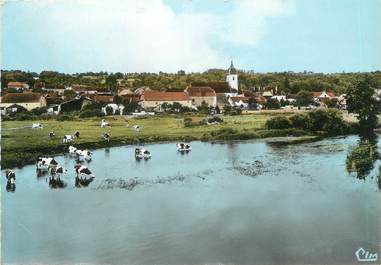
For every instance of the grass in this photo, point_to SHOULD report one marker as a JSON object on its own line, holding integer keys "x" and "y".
{"x": 21, "y": 146}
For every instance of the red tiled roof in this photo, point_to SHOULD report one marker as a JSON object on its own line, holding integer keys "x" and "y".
{"x": 244, "y": 99}
{"x": 21, "y": 97}
{"x": 218, "y": 87}
{"x": 200, "y": 91}
{"x": 165, "y": 96}
{"x": 102, "y": 99}
{"x": 16, "y": 85}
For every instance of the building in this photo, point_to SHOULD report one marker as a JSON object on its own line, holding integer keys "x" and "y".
{"x": 151, "y": 99}
{"x": 232, "y": 78}
{"x": 74, "y": 104}
{"x": 201, "y": 94}
{"x": 114, "y": 107}
{"x": 19, "y": 86}
{"x": 28, "y": 101}
{"x": 240, "y": 101}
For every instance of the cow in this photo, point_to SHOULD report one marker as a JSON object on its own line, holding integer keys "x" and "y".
{"x": 37, "y": 126}
{"x": 45, "y": 163}
{"x": 68, "y": 138}
{"x": 51, "y": 135}
{"x": 106, "y": 137}
{"x": 104, "y": 123}
{"x": 136, "y": 128}
{"x": 86, "y": 154}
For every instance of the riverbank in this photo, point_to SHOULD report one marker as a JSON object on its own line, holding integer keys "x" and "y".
{"x": 21, "y": 145}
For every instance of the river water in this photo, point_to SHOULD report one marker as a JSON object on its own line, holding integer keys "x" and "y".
{"x": 232, "y": 203}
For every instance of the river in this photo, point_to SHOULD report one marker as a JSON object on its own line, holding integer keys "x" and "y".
{"x": 229, "y": 203}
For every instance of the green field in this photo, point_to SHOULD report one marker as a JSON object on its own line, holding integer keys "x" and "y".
{"x": 20, "y": 144}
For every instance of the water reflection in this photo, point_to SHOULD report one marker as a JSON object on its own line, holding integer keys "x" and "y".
{"x": 363, "y": 157}
{"x": 56, "y": 183}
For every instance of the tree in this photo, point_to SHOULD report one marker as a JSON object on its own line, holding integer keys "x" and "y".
{"x": 272, "y": 103}
{"x": 361, "y": 101}
{"x": 69, "y": 93}
{"x": 112, "y": 83}
{"x": 303, "y": 98}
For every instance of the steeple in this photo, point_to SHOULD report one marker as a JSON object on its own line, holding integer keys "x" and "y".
{"x": 232, "y": 70}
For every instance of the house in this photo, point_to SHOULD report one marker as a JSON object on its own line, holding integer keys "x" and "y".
{"x": 268, "y": 94}
{"x": 155, "y": 99}
{"x": 19, "y": 86}
{"x": 318, "y": 96}
{"x": 57, "y": 89}
{"x": 102, "y": 98}
{"x": 114, "y": 107}
{"x": 239, "y": 101}
{"x": 14, "y": 108}
{"x": 202, "y": 94}
{"x": 28, "y": 101}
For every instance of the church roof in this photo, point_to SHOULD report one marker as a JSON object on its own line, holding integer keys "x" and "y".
{"x": 232, "y": 70}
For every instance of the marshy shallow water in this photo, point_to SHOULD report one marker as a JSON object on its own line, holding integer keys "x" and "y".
{"x": 241, "y": 203}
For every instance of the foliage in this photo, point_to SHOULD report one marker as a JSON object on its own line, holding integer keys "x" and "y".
{"x": 272, "y": 103}
{"x": 303, "y": 98}
{"x": 278, "y": 122}
{"x": 39, "y": 111}
{"x": 361, "y": 102}
{"x": 91, "y": 113}
{"x": 69, "y": 93}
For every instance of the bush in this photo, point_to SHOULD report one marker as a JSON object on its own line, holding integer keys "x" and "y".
{"x": 91, "y": 113}
{"x": 188, "y": 122}
{"x": 299, "y": 121}
{"x": 39, "y": 111}
{"x": 279, "y": 122}
{"x": 25, "y": 116}
{"x": 65, "y": 117}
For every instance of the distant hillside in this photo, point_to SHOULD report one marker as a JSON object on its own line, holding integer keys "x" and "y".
{"x": 288, "y": 82}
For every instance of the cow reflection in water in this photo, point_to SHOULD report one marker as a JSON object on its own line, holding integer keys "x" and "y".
{"x": 56, "y": 183}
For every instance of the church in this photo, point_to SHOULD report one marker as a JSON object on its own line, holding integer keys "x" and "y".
{"x": 223, "y": 89}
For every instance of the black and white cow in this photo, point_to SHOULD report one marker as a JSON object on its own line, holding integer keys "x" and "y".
{"x": 68, "y": 138}
{"x": 106, "y": 137}
{"x": 86, "y": 154}
{"x": 37, "y": 126}
{"x": 136, "y": 128}
{"x": 82, "y": 171}
{"x": 44, "y": 163}
{"x": 76, "y": 134}
{"x": 72, "y": 150}
{"x": 57, "y": 171}
{"x": 51, "y": 135}
{"x": 11, "y": 176}
{"x": 104, "y": 123}
{"x": 11, "y": 180}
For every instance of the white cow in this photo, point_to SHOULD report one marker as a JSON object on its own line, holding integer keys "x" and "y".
{"x": 45, "y": 163}
{"x": 86, "y": 154}
{"x": 136, "y": 128}
{"x": 37, "y": 126}
{"x": 104, "y": 123}
{"x": 72, "y": 150}
{"x": 68, "y": 138}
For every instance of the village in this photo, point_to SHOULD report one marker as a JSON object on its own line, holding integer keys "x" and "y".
{"x": 214, "y": 97}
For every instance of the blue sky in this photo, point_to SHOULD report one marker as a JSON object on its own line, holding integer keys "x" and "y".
{"x": 194, "y": 35}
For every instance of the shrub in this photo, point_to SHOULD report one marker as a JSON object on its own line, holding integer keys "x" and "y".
{"x": 91, "y": 113}
{"x": 39, "y": 111}
{"x": 25, "y": 116}
{"x": 188, "y": 122}
{"x": 65, "y": 117}
{"x": 299, "y": 121}
{"x": 279, "y": 122}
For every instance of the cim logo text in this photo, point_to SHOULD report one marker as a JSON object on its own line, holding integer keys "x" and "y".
{"x": 363, "y": 255}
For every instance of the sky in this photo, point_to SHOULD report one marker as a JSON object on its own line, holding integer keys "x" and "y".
{"x": 193, "y": 35}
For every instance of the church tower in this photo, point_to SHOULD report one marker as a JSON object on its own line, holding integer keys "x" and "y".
{"x": 232, "y": 78}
